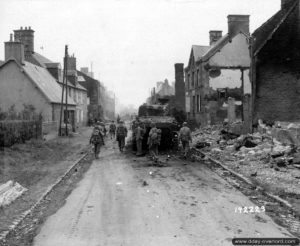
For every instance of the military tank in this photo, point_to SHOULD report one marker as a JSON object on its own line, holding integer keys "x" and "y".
{"x": 168, "y": 125}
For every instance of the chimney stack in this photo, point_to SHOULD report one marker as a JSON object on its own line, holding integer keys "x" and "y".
{"x": 14, "y": 49}
{"x": 238, "y": 23}
{"x": 26, "y": 36}
{"x": 179, "y": 86}
{"x": 214, "y": 36}
{"x": 71, "y": 71}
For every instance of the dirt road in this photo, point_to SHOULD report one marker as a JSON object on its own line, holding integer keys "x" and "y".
{"x": 122, "y": 200}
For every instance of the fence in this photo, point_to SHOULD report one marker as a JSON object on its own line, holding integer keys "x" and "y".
{"x": 18, "y": 131}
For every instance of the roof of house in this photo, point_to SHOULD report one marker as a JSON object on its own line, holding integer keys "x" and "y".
{"x": 199, "y": 51}
{"x": 46, "y": 83}
{"x": 267, "y": 30}
{"x": 215, "y": 48}
{"x": 43, "y": 80}
{"x": 38, "y": 59}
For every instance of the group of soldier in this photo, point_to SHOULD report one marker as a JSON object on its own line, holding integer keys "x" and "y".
{"x": 99, "y": 134}
{"x": 119, "y": 133}
{"x": 154, "y": 139}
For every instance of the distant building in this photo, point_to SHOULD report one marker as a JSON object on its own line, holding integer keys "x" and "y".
{"x": 23, "y": 83}
{"x": 275, "y": 66}
{"x": 164, "y": 89}
{"x": 218, "y": 75}
{"x": 96, "y": 102}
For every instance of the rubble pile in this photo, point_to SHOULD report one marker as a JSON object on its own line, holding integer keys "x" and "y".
{"x": 258, "y": 155}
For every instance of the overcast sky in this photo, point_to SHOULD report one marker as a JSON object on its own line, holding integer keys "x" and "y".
{"x": 131, "y": 43}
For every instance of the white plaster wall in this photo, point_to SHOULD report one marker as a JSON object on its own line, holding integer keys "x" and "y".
{"x": 233, "y": 54}
{"x": 230, "y": 78}
{"x": 16, "y": 89}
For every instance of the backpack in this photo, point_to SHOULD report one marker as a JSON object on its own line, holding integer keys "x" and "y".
{"x": 155, "y": 136}
{"x": 121, "y": 131}
{"x": 96, "y": 136}
{"x": 112, "y": 127}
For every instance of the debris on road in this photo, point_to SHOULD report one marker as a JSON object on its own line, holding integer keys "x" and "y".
{"x": 265, "y": 156}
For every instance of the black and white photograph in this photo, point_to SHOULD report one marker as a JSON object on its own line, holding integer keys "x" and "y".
{"x": 149, "y": 122}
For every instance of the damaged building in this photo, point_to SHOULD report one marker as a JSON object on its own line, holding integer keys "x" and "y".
{"x": 275, "y": 66}
{"x": 217, "y": 77}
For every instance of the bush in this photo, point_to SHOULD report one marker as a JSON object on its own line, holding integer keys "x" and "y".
{"x": 17, "y": 127}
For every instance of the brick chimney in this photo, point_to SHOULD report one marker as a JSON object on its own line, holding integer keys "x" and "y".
{"x": 14, "y": 49}
{"x": 55, "y": 69}
{"x": 26, "y": 36}
{"x": 285, "y": 4}
{"x": 179, "y": 86}
{"x": 214, "y": 36}
{"x": 71, "y": 71}
{"x": 237, "y": 23}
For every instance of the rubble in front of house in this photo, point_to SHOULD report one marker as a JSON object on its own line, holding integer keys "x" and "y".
{"x": 261, "y": 156}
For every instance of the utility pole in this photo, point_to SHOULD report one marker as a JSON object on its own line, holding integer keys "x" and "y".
{"x": 66, "y": 81}
{"x": 62, "y": 95}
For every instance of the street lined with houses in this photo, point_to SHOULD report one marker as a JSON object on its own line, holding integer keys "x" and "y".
{"x": 127, "y": 201}
{"x": 150, "y": 123}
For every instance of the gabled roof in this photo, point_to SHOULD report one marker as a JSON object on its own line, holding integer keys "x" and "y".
{"x": 197, "y": 52}
{"x": 43, "y": 80}
{"x": 267, "y": 30}
{"x": 216, "y": 47}
{"x": 38, "y": 59}
{"x": 219, "y": 45}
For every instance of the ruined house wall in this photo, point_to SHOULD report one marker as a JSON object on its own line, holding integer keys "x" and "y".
{"x": 277, "y": 93}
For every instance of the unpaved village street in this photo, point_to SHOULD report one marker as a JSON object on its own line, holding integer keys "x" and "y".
{"x": 124, "y": 200}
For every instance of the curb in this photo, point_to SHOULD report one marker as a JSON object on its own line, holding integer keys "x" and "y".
{"x": 246, "y": 180}
{"x": 23, "y": 216}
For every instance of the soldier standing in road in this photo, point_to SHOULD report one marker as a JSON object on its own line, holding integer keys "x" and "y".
{"x": 139, "y": 139}
{"x": 97, "y": 140}
{"x": 154, "y": 141}
{"x": 112, "y": 130}
{"x": 121, "y": 135}
{"x": 185, "y": 138}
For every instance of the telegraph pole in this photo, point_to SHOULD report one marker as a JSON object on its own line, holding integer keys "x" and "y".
{"x": 66, "y": 81}
{"x": 62, "y": 95}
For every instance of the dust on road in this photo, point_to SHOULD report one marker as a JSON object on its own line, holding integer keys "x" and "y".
{"x": 122, "y": 200}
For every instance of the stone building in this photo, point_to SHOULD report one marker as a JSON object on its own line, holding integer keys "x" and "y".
{"x": 96, "y": 101}
{"x": 23, "y": 83}
{"x": 275, "y": 66}
{"x": 217, "y": 76}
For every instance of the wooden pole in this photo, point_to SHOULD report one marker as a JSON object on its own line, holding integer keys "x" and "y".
{"x": 66, "y": 82}
{"x": 62, "y": 98}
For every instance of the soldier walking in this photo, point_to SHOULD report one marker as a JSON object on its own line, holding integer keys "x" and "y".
{"x": 154, "y": 141}
{"x": 121, "y": 135}
{"x": 139, "y": 134}
{"x": 97, "y": 139}
{"x": 185, "y": 138}
{"x": 112, "y": 130}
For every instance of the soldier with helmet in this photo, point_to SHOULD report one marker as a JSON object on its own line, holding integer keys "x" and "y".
{"x": 97, "y": 139}
{"x": 185, "y": 138}
{"x": 154, "y": 141}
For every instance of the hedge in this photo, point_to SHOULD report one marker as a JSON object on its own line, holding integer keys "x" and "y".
{"x": 18, "y": 131}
